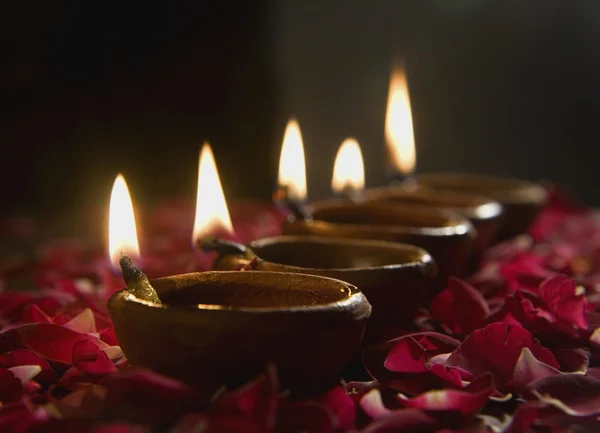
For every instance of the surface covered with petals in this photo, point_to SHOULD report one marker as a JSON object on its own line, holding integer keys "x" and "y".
{"x": 513, "y": 347}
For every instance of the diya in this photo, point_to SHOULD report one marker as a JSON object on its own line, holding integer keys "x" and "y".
{"x": 396, "y": 278}
{"x": 522, "y": 200}
{"x": 216, "y": 328}
{"x": 447, "y": 236}
{"x": 485, "y": 214}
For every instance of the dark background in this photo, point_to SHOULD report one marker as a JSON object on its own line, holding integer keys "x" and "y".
{"x": 93, "y": 88}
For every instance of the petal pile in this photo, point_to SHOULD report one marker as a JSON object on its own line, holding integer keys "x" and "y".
{"x": 515, "y": 347}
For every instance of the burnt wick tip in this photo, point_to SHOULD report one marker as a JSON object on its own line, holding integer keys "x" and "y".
{"x": 137, "y": 282}
{"x": 209, "y": 243}
{"x": 294, "y": 206}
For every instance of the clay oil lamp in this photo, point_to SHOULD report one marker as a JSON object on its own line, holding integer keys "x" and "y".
{"x": 522, "y": 200}
{"x": 214, "y": 329}
{"x": 348, "y": 180}
{"x": 396, "y": 278}
{"x": 447, "y": 236}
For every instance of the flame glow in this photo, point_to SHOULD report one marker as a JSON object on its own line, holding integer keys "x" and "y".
{"x": 399, "y": 135}
{"x": 292, "y": 168}
{"x": 349, "y": 169}
{"x": 122, "y": 233}
{"x": 212, "y": 214}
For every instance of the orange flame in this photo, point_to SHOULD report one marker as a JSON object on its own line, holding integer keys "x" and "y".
{"x": 122, "y": 233}
{"x": 348, "y": 169}
{"x": 212, "y": 214}
{"x": 399, "y": 135}
{"x": 292, "y": 167}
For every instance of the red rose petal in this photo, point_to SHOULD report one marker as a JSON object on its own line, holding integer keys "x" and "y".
{"x": 529, "y": 369}
{"x": 10, "y": 386}
{"x": 403, "y": 420}
{"x": 412, "y": 383}
{"x": 406, "y": 356}
{"x": 341, "y": 405}
{"x": 565, "y": 300}
{"x": 85, "y": 402}
{"x": 576, "y": 360}
{"x": 122, "y": 428}
{"x": 496, "y": 349}
{"x": 149, "y": 397}
{"x": 409, "y": 353}
{"x": 372, "y": 404}
{"x": 89, "y": 358}
{"x": 305, "y": 417}
{"x": 108, "y": 336}
{"x": 460, "y": 307}
{"x": 574, "y": 394}
{"x": 465, "y": 401}
{"x": 53, "y": 342}
{"x": 34, "y": 314}
{"x": 27, "y": 357}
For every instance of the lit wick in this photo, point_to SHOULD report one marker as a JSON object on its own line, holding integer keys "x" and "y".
{"x": 212, "y": 214}
{"x": 349, "y": 171}
{"x": 291, "y": 189}
{"x": 297, "y": 209}
{"x": 399, "y": 134}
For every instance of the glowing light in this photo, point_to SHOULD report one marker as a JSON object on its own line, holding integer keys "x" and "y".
{"x": 399, "y": 135}
{"x": 122, "y": 233}
{"x": 292, "y": 167}
{"x": 348, "y": 169}
{"x": 212, "y": 214}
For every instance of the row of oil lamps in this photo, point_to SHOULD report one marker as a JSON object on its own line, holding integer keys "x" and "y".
{"x": 344, "y": 272}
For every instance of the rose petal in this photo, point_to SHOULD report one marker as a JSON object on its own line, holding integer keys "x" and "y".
{"x": 465, "y": 401}
{"x": 413, "y": 383}
{"x": 564, "y": 299}
{"x": 34, "y": 314}
{"x": 342, "y": 406}
{"x": 91, "y": 359}
{"x": 27, "y": 357}
{"x": 372, "y": 404}
{"x": 305, "y": 417}
{"x": 147, "y": 396}
{"x": 575, "y": 360}
{"x": 529, "y": 369}
{"x": 122, "y": 428}
{"x": 406, "y": 356}
{"x": 460, "y": 307}
{"x": 403, "y": 420}
{"x": 85, "y": 402}
{"x": 53, "y": 342}
{"x": 496, "y": 348}
{"x": 574, "y": 394}
{"x": 25, "y": 372}
{"x": 84, "y": 322}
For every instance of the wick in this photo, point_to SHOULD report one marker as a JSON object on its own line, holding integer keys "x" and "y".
{"x": 351, "y": 194}
{"x": 298, "y": 210}
{"x": 137, "y": 282}
{"x": 209, "y": 243}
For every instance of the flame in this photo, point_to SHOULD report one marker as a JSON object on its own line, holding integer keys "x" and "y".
{"x": 349, "y": 169}
{"x": 292, "y": 168}
{"x": 399, "y": 135}
{"x": 122, "y": 233}
{"x": 212, "y": 214}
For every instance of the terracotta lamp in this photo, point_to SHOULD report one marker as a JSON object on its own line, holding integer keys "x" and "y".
{"x": 396, "y": 278}
{"x": 484, "y": 213}
{"x": 222, "y": 328}
{"x": 447, "y": 236}
{"x": 522, "y": 200}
